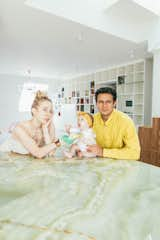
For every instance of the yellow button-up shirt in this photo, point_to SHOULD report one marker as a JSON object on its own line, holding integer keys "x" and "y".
{"x": 117, "y": 136}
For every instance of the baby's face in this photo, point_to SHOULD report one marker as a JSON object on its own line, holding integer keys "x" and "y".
{"x": 82, "y": 123}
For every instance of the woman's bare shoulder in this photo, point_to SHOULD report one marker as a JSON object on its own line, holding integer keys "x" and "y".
{"x": 24, "y": 125}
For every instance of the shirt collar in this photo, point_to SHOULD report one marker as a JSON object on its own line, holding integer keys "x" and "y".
{"x": 109, "y": 119}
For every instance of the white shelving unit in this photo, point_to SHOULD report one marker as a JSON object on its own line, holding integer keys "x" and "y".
{"x": 133, "y": 83}
{"x": 80, "y": 92}
{"x": 133, "y": 90}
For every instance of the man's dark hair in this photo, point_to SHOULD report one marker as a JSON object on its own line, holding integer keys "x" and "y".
{"x": 108, "y": 90}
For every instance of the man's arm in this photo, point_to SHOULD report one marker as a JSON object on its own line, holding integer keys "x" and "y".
{"x": 131, "y": 149}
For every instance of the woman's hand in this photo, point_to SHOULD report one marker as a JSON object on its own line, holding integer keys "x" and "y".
{"x": 47, "y": 124}
{"x": 46, "y": 128}
{"x": 52, "y": 153}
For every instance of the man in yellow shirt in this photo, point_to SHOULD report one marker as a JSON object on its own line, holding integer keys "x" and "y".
{"x": 115, "y": 132}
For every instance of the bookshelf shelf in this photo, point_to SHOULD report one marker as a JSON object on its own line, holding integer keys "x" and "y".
{"x": 132, "y": 81}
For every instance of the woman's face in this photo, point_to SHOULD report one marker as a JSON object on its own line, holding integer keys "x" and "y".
{"x": 82, "y": 123}
{"x": 43, "y": 112}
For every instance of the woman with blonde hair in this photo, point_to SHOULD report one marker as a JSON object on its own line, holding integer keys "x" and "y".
{"x": 37, "y": 135}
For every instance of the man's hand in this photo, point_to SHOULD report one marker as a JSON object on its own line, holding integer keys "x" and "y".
{"x": 96, "y": 149}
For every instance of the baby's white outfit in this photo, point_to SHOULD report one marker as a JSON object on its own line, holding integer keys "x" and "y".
{"x": 87, "y": 138}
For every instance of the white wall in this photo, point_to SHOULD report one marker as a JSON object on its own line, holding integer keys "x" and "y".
{"x": 10, "y": 95}
{"x": 154, "y": 37}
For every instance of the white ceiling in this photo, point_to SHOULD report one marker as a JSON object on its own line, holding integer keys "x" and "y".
{"x": 61, "y": 39}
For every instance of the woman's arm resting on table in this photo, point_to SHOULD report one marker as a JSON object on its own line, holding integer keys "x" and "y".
{"x": 31, "y": 145}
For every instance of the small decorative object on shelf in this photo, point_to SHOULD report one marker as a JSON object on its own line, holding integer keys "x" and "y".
{"x": 73, "y": 93}
{"x": 82, "y": 101}
{"x": 92, "y": 85}
{"x": 87, "y": 100}
{"x": 82, "y": 108}
{"x": 121, "y": 79}
{"x": 92, "y": 109}
{"x": 77, "y": 94}
{"x": 86, "y": 93}
{"x": 69, "y": 100}
{"x": 129, "y": 103}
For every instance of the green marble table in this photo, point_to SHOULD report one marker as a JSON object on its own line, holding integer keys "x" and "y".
{"x": 95, "y": 199}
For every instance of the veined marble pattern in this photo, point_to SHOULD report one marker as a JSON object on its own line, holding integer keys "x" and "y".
{"x": 98, "y": 199}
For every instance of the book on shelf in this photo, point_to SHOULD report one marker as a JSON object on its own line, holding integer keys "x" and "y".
{"x": 73, "y": 93}
{"x": 92, "y": 84}
{"x": 82, "y": 101}
{"x": 86, "y": 93}
{"x": 82, "y": 108}
{"x": 92, "y": 87}
{"x": 87, "y": 100}
{"x": 77, "y": 94}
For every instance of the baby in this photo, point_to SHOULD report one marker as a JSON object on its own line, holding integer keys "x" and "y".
{"x": 85, "y": 137}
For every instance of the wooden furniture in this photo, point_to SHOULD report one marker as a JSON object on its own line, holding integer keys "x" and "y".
{"x": 150, "y": 143}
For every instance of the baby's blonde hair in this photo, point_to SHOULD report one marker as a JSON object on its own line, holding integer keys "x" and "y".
{"x": 88, "y": 117}
{"x": 40, "y": 97}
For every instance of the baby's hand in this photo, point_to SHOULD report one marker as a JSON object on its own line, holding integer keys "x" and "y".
{"x": 67, "y": 128}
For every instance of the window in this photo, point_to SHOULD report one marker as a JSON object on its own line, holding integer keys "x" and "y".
{"x": 28, "y": 95}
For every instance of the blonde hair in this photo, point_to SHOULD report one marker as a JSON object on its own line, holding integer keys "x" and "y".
{"x": 88, "y": 117}
{"x": 39, "y": 97}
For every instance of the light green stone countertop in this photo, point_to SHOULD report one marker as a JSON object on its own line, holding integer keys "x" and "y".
{"x": 95, "y": 199}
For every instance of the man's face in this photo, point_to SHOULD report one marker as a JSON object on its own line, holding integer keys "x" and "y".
{"x": 105, "y": 104}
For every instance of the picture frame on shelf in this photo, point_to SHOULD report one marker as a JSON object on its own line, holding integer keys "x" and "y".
{"x": 121, "y": 79}
{"x": 92, "y": 109}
